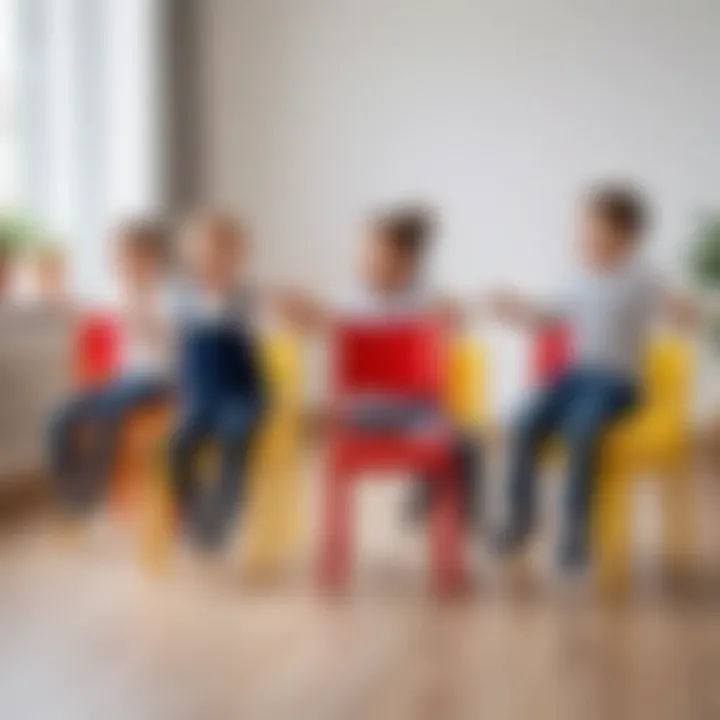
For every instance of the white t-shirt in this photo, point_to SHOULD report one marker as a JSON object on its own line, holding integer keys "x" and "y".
{"x": 145, "y": 345}
{"x": 364, "y": 303}
{"x": 610, "y": 316}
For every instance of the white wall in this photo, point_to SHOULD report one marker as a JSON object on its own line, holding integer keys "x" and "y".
{"x": 497, "y": 110}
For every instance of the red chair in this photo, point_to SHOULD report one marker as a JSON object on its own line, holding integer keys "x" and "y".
{"x": 550, "y": 354}
{"x": 403, "y": 360}
{"x": 97, "y": 350}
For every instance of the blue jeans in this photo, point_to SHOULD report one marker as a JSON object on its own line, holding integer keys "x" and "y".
{"x": 581, "y": 405}
{"x": 231, "y": 424}
{"x": 81, "y": 469}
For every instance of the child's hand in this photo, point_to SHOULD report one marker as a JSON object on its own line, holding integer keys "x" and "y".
{"x": 448, "y": 312}
{"x": 299, "y": 309}
{"x": 504, "y": 304}
{"x": 508, "y": 306}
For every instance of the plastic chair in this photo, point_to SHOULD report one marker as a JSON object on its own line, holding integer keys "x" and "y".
{"x": 652, "y": 439}
{"x": 140, "y": 433}
{"x": 96, "y": 349}
{"x": 273, "y": 523}
{"x": 465, "y": 391}
{"x": 406, "y": 361}
{"x": 549, "y": 354}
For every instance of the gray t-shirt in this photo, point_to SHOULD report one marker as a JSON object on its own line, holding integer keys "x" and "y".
{"x": 610, "y": 316}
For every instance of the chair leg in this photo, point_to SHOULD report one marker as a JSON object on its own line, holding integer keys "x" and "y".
{"x": 677, "y": 494}
{"x": 157, "y": 520}
{"x": 612, "y": 528}
{"x": 446, "y": 535}
{"x": 337, "y": 530}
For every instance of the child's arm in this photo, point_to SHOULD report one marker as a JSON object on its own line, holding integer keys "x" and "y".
{"x": 511, "y": 308}
{"x": 299, "y": 308}
{"x": 450, "y": 313}
{"x": 680, "y": 310}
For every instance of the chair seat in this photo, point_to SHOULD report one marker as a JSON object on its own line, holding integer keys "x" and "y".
{"x": 389, "y": 451}
{"x": 646, "y": 439}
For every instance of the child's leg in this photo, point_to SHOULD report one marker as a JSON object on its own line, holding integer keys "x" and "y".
{"x": 539, "y": 421}
{"x": 65, "y": 457}
{"x": 194, "y": 429}
{"x": 236, "y": 428}
{"x": 468, "y": 454}
{"x": 598, "y": 405}
{"x": 470, "y": 460}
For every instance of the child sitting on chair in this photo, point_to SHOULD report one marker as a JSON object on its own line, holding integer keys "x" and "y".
{"x": 391, "y": 285}
{"x": 220, "y": 378}
{"x": 84, "y": 431}
{"x": 607, "y": 312}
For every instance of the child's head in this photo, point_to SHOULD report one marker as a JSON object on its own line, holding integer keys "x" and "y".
{"x": 396, "y": 246}
{"x": 141, "y": 248}
{"x": 613, "y": 223}
{"x": 48, "y": 270}
{"x": 214, "y": 250}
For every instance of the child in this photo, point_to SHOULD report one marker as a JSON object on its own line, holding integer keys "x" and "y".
{"x": 83, "y": 433}
{"x": 391, "y": 284}
{"x": 48, "y": 275}
{"x": 608, "y": 312}
{"x": 220, "y": 379}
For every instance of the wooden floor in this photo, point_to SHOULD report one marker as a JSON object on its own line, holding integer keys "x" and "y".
{"x": 84, "y": 635}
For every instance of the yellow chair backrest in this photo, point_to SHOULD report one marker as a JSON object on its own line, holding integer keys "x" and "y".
{"x": 466, "y": 384}
{"x": 281, "y": 362}
{"x": 667, "y": 374}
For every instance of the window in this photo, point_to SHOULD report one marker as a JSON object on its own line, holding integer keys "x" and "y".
{"x": 79, "y": 113}
{"x": 8, "y": 102}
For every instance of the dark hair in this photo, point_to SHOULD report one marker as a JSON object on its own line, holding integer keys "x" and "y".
{"x": 622, "y": 205}
{"x": 409, "y": 230}
{"x": 147, "y": 236}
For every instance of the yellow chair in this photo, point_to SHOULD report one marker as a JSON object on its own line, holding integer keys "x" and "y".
{"x": 466, "y": 389}
{"x": 272, "y": 513}
{"x": 652, "y": 440}
{"x": 274, "y": 518}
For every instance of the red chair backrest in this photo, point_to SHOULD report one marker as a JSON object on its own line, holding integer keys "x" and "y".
{"x": 402, "y": 359}
{"x": 97, "y": 349}
{"x": 550, "y": 354}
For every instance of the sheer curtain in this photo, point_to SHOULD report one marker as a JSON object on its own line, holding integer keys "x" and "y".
{"x": 89, "y": 102}
{"x": 8, "y": 102}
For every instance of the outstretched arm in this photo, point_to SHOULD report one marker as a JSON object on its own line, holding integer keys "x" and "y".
{"x": 680, "y": 310}
{"x": 512, "y": 308}
{"x": 300, "y": 308}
